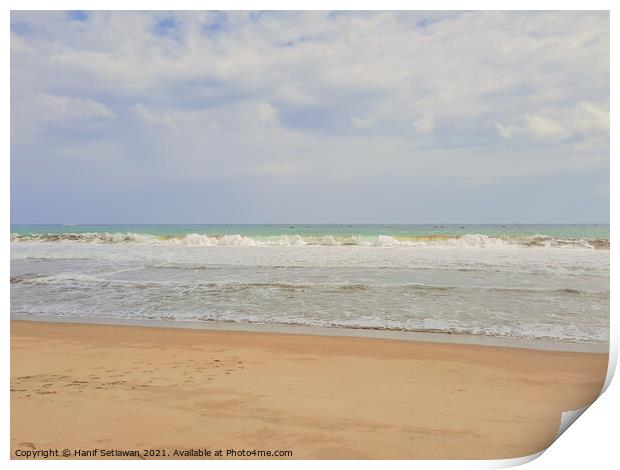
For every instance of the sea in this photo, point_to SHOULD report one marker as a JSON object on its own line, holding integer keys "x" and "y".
{"x": 534, "y": 282}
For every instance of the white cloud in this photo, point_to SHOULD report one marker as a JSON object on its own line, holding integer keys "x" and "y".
{"x": 507, "y": 132}
{"x": 266, "y": 113}
{"x": 545, "y": 127}
{"x": 70, "y": 110}
{"x": 424, "y": 125}
{"x": 311, "y": 58}
{"x": 294, "y": 94}
{"x": 590, "y": 116}
{"x": 363, "y": 123}
{"x": 280, "y": 93}
{"x": 585, "y": 119}
{"x": 150, "y": 117}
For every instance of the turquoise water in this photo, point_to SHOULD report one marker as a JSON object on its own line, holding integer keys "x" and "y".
{"x": 268, "y": 230}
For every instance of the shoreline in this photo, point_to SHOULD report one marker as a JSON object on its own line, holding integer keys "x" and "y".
{"x": 402, "y": 335}
{"x": 89, "y": 386}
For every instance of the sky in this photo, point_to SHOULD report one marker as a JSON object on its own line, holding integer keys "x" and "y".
{"x": 316, "y": 117}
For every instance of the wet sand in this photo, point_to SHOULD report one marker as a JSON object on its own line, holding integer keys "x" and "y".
{"x": 85, "y": 386}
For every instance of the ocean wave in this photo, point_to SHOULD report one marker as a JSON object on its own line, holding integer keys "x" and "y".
{"x": 527, "y": 331}
{"x": 294, "y": 287}
{"x": 196, "y": 239}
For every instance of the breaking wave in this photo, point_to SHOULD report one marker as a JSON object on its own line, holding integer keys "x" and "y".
{"x": 196, "y": 239}
{"x": 294, "y": 287}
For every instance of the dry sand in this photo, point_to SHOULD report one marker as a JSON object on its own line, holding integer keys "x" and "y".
{"x": 78, "y": 386}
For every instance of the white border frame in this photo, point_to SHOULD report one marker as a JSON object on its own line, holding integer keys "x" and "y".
{"x": 590, "y": 442}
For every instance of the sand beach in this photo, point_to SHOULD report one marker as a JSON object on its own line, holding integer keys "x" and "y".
{"x": 154, "y": 391}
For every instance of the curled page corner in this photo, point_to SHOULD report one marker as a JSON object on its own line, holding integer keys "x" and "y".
{"x": 568, "y": 418}
{"x": 517, "y": 461}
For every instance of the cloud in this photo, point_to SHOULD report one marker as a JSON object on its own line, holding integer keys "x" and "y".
{"x": 585, "y": 119}
{"x": 182, "y": 98}
{"x": 35, "y": 114}
{"x": 266, "y": 113}
{"x": 150, "y": 117}
{"x": 545, "y": 127}
{"x": 363, "y": 123}
{"x": 424, "y": 125}
{"x": 72, "y": 110}
{"x": 507, "y": 132}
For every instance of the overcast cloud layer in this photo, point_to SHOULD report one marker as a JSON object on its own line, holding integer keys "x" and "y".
{"x": 213, "y": 117}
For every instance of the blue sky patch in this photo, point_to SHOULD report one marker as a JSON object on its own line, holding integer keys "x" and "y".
{"x": 77, "y": 15}
{"x": 21, "y": 28}
{"x": 165, "y": 27}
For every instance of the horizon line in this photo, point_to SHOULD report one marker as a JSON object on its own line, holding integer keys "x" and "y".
{"x": 313, "y": 223}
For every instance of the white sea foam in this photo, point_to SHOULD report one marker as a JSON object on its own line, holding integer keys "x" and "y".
{"x": 527, "y": 287}
{"x": 196, "y": 239}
